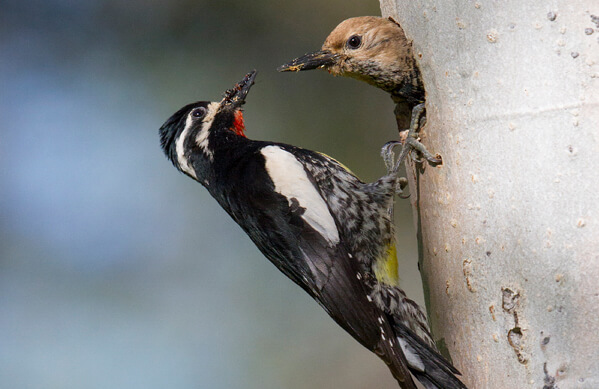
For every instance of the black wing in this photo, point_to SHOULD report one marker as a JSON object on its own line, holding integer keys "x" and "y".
{"x": 324, "y": 270}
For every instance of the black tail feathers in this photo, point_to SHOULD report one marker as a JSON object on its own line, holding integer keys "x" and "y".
{"x": 425, "y": 363}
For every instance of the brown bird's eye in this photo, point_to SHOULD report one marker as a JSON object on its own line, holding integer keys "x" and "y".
{"x": 354, "y": 41}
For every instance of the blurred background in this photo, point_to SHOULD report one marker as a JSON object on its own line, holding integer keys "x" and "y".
{"x": 116, "y": 271}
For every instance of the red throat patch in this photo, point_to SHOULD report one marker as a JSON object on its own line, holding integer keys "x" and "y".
{"x": 238, "y": 125}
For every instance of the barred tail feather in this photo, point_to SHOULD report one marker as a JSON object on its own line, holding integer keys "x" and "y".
{"x": 395, "y": 303}
{"x": 411, "y": 315}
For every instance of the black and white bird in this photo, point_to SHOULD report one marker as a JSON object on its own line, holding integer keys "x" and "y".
{"x": 326, "y": 230}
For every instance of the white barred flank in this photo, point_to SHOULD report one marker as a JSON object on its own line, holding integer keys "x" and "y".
{"x": 291, "y": 180}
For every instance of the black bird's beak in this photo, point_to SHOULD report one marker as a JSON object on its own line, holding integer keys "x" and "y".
{"x": 235, "y": 97}
{"x": 315, "y": 60}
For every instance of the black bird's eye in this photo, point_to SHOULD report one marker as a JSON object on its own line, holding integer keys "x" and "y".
{"x": 198, "y": 112}
{"x": 354, "y": 41}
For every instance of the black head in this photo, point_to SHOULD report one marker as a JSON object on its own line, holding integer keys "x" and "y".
{"x": 171, "y": 130}
{"x": 186, "y": 133}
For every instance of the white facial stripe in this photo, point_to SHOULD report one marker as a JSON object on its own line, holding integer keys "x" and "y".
{"x": 181, "y": 158}
{"x": 202, "y": 137}
{"x": 291, "y": 180}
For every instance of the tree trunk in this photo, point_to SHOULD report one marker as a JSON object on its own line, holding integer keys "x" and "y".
{"x": 508, "y": 225}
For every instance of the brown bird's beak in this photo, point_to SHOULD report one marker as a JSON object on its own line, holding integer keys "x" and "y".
{"x": 235, "y": 97}
{"x": 315, "y": 60}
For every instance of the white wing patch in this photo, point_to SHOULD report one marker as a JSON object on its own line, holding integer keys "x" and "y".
{"x": 291, "y": 181}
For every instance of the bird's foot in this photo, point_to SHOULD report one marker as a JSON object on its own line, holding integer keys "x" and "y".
{"x": 411, "y": 142}
{"x": 393, "y": 166}
{"x": 389, "y": 156}
{"x": 402, "y": 182}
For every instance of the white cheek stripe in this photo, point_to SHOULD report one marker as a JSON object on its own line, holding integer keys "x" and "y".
{"x": 183, "y": 162}
{"x": 290, "y": 180}
{"x": 202, "y": 137}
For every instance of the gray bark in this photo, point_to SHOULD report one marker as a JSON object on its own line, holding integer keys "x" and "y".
{"x": 508, "y": 226}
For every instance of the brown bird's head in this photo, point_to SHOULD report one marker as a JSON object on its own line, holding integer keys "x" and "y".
{"x": 371, "y": 49}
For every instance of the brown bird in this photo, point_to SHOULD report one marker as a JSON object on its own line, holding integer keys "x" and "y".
{"x": 374, "y": 50}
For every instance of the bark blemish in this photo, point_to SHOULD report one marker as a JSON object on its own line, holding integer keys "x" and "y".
{"x": 510, "y": 300}
{"x": 515, "y": 335}
{"x": 492, "y": 312}
{"x": 468, "y": 270}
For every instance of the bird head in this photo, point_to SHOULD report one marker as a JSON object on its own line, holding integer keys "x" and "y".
{"x": 368, "y": 48}
{"x": 186, "y": 136}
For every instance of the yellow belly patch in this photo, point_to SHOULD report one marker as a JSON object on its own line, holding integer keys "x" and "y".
{"x": 385, "y": 268}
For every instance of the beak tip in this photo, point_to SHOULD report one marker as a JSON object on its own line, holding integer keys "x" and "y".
{"x": 315, "y": 60}
{"x": 236, "y": 96}
{"x": 249, "y": 78}
{"x": 289, "y": 68}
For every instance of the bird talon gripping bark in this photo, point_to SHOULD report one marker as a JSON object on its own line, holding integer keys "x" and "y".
{"x": 412, "y": 141}
{"x": 409, "y": 141}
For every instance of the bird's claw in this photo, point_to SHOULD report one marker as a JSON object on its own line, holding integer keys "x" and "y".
{"x": 401, "y": 185}
{"x": 393, "y": 166}
{"x": 411, "y": 141}
{"x": 389, "y": 156}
